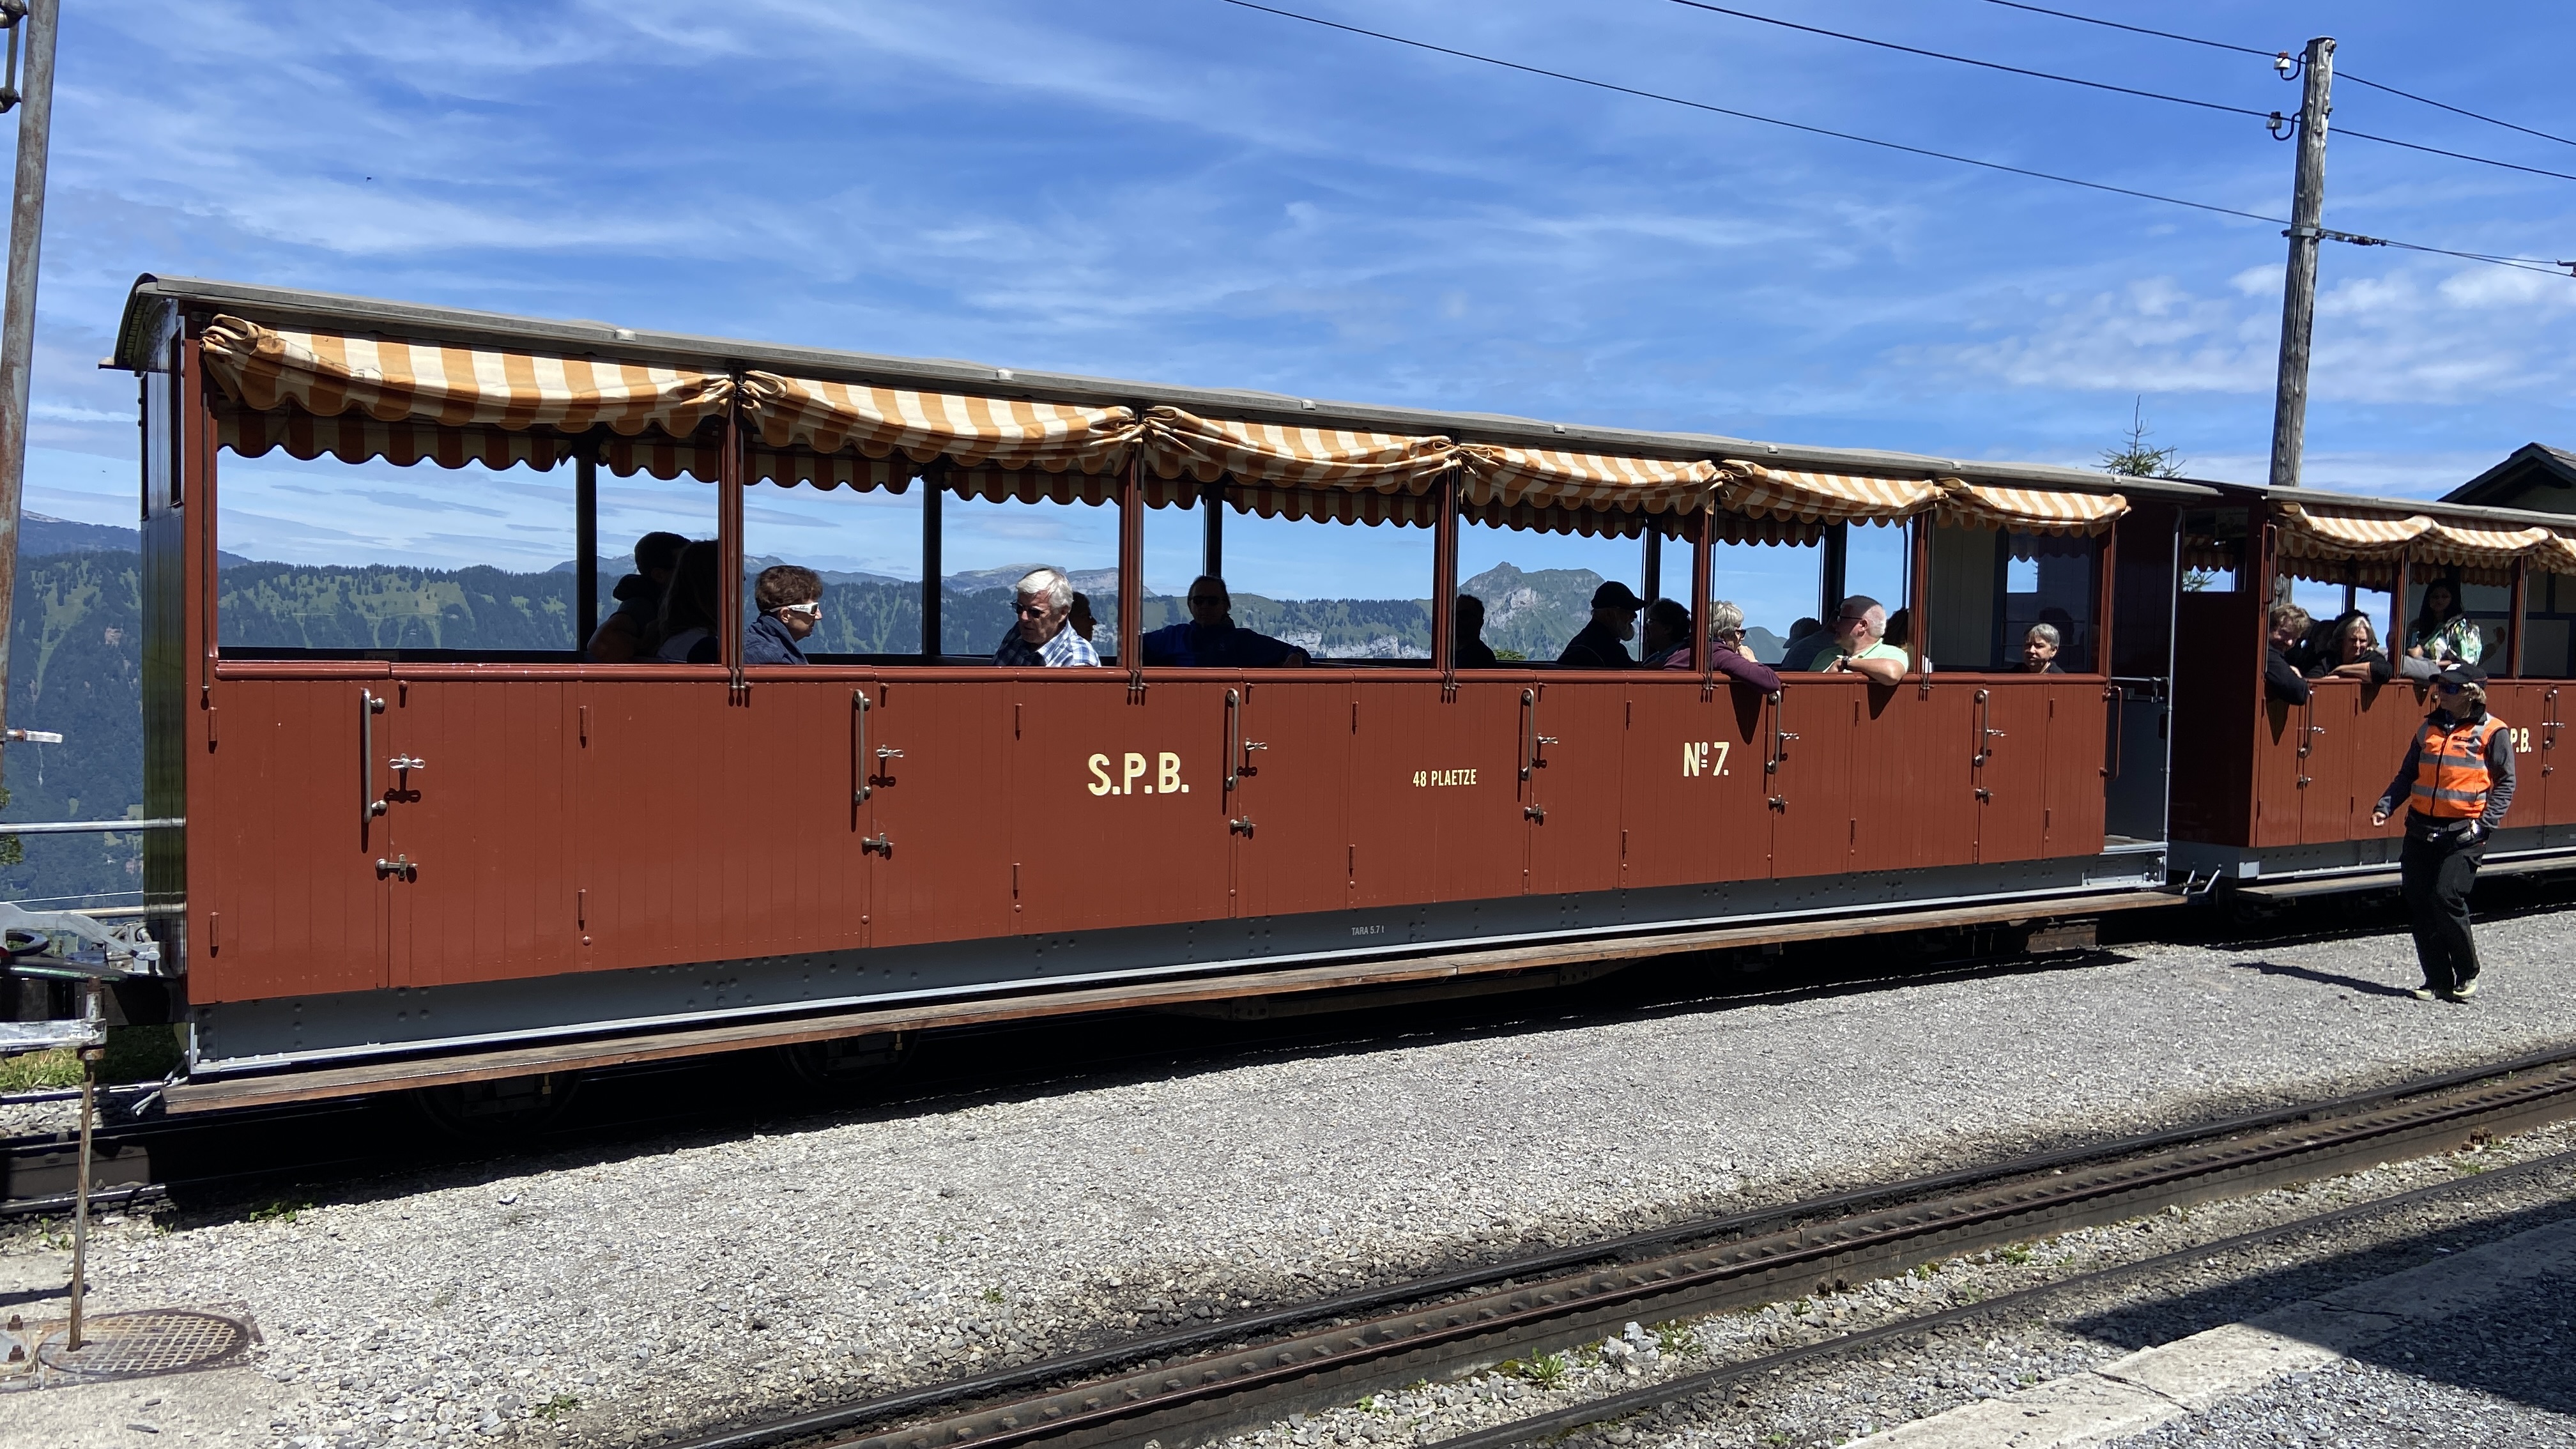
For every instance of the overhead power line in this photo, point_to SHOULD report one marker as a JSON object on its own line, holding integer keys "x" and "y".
{"x": 1983, "y": 64}
{"x": 2273, "y": 118}
{"x": 2528, "y": 264}
{"x": 2250, "y": 50}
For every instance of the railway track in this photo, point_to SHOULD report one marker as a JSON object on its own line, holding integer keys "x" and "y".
{"x": 1194, "y": 1385}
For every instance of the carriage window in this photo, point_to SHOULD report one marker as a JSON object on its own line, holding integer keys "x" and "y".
{"x": 1349, "y": 592}
{"x": 372, "y": 557}
{"x": 987, "y": 547}
{"x": 2549, "y": 609}
{"x": 2213, "y": 549}
{"x": 2488, "y": 607}
{"x": 867, "y": 547}
{"x": 1537, "y": 587}
{"x": 1989, "y": 588}
{"x": 1776, "y": 585}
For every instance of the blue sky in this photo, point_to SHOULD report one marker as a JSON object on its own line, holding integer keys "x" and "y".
{"x": 1187, "y": 191}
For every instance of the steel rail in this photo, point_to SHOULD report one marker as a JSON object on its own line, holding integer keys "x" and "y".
{"x": 1691, "y": 1386}
{"x": 1331, "y": 1364}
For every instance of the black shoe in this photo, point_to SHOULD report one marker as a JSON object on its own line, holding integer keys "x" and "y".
{"x": 2428, "y": 992}
{"x": 2464, "y": 990}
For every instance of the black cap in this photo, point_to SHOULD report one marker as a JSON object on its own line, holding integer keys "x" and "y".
{"x": 1615, "y": 595}
{"x": 2461, "y": 674}
{"x": 1863, "y": 603}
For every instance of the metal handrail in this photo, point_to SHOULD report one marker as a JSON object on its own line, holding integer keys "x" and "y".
{"x": 91, "y": 827}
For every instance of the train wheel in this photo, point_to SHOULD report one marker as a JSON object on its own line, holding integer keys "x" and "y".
{"x": 845, "y": 1064}
{"x": 501, "y": 1110}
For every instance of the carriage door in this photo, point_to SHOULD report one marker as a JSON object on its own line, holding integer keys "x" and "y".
{"x": 1810, "y": 795}
{"x": 2552, "y": 806}
{"x": 2282, "y": 733}
{"x": 1288, "y": 795}
{"x": 477, "y": 778}
{"x": 1573, "y": 734}
{"x": 2011, "y": 764}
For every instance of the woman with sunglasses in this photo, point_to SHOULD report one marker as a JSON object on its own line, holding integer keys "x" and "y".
{"x": 2457, "y": 783}
{"x": 791, "y": 604}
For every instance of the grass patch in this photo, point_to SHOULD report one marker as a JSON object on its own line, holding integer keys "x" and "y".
{"x": 1547, "y": 1370}
{"x": 1675, "y": 1339}
{"x": 40, "y": 1071}
{"x": 558, "y": 1406}
{"x": 2018, "y": 1255}
{"x": 280, "y": 1211}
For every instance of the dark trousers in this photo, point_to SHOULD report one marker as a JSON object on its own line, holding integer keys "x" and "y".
{"x": 2439, "y": 868}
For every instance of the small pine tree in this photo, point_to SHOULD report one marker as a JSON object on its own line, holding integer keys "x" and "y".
{"x": 2133, "y": 458}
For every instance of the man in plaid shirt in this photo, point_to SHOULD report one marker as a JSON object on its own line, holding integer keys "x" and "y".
{"x": 1043, "y": 639}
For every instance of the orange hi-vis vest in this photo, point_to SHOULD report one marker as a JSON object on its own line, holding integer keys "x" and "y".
{"x": 2451, "y": 780}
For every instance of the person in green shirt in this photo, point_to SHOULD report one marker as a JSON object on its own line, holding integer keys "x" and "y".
{"x": 1859, "y": 645}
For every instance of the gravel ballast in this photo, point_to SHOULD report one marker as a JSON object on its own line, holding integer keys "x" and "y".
{"x": 702, "y": 1280}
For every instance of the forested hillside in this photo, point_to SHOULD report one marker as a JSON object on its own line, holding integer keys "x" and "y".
{"x": 75, "y": 651}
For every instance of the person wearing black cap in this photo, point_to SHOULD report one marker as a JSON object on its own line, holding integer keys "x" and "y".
{"x": 1614, "y": 619}
{"x": 2457, "y": 783}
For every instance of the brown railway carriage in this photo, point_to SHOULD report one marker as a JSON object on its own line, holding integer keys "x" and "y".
{"x": 403, "y": 867}
{"x": 2278, "y": 799}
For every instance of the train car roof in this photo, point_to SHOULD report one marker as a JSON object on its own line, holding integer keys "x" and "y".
{"x": 293, "y": 306}
{"x": 2429, "y": 507}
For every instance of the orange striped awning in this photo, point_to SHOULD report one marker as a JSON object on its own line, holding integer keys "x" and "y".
{"x": 2476, "y": 546}
{"x": 355, "y": 438}
{"x": 1583, "y": 480}
{"x": 1178, "y": 443}
{"x": 880, "y": 422}
{"x": 1750, "y": 488}
{"x": 2028, "y": 510}
{"x": 330, "y": 375}
{"x": 2307, "y": 533}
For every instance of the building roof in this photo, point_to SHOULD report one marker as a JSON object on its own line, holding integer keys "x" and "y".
{"x": 2531, "y": 467}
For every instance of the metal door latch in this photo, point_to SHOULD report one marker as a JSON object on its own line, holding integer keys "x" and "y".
{"x": 404, "y": 764}
{"x": 881, "y": 845}
{"x": 1985, "y": 794}
{"x": 1241, "y": 825}
{"x": 1537, "y": 813}
{"x": 401, "y": 865}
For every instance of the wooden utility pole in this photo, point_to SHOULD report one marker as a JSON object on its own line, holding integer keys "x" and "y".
{"x": 34, "y": 20}
{"x": 2299, "y": 290}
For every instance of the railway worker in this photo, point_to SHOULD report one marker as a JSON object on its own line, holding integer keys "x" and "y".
{"x": 1210, "y": 640}
{"x": 2282, "y": 680}
{"x": 790, "y": 600}
{"x": 1859, "y": 644}
{"x": 2443, "y": 632}
{"x": 1601, "y": 644}
{"x": 2457, "y": 782}
{"x": 631, "y": 632}
{"x": 1473, "y": 651}
{"x": 691, "y": 607}
{"x": 1668, "y": 636}
{"x": 1726, "y": 648}
{"x": 1044, "y": 637}
{"x": 2039, "y": 650}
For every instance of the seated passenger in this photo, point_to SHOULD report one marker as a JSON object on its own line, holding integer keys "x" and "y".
{"x": 1614, "y": 619}
{"x": 790, "y": 600}
{"x": 1044, "y": 637}
{"x": 2442, "y": 632}
{"x": 1210, "y": 639}
{"x": 1668, "y": 636}
{"x": 2281, "y": 678}
{"x": 1726, "y": 649}
{"x": 1859, "y": 645}
{"x": 1079, "y": 620}
{"x": 1473, "y": 651}
{"x": 2039, "y": 650}
{"x": 2351, "y": 651}
{"x": 1801, "y": 643}
{"x": 690, "y": 608}
{"x": 631, "y": 632}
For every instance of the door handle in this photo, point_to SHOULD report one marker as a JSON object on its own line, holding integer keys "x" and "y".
{"x": 401, "y": 865}
{"x": 1537, "y": 813}
{"x": 886, "y": 754}
{"x": 1241, "y": 826}
{"x": 405, "y": 764}
{"x": 878, "y": 846}
{"x": 371, "y": 802}
{"x": 1233, "y": 739}
{"x": 861, "y": 786}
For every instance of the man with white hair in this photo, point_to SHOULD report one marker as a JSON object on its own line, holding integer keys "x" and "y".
{"x": 2039, "y": 650}
{"x": 1859, "y": 644}
{"x": 1043, "y": 638}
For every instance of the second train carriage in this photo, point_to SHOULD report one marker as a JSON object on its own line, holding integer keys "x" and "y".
{"x": 407, "y": 866}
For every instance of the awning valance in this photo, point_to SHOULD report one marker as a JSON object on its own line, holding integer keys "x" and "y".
{"x": 1583, "y": 480}
{"x": 1179, "y": 443}
{"x": 2476, "y": 546}
{"x": 2028, "y": 510}
{"x": 330, "y": 375}
{"x": 2306, "y": 533}
{"x": 882, "y": 422}
{"x": 356, "y": 438}
{"x": 1759, "y": 492}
